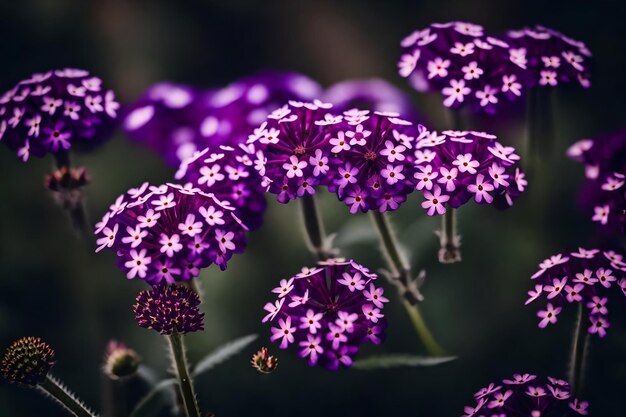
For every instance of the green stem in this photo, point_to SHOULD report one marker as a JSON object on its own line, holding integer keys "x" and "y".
{"x": 53, "y": 388}
{"x": 539, "y": 124}
{"x": 580, "y": 343}
{"x": 450, "y": 251}
{"x": 314, "y": 228}
{"x": 185, "y": 383}
{"x": 72, "y": 200}
{"x": 422, "y": 330}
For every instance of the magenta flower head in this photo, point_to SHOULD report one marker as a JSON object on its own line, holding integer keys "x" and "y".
{"x": 459, "y": 60}
{"x": 327, "y": 312}
{"x": 373, "y": 94}
{"x": 56, "y": 111}
{"x": 292, "y": 156}
{"x": 456, "y": 166}
{"x": 27, "y": 361}
{"x": 371, "y": 162}
{"x": 228, "y": 173}
{"x": 169, "y": 309}
{"x": 549, "y": 57}
{"x": 526, "y": 395}
{"x": 169, "y": 233}
{"x": 586, "y": 277}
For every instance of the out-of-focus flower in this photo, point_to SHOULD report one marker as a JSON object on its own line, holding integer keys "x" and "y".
{"x": 453, "y": 167}
{"x": 120, "y": 361}
{"x": 168, "y": 309}
{"x": 56, "y": 111}
{"x": 168, "y": 233}
{"x": 585, "y": 277}
{"x": 463, "y": 63}
{"x": 263, "y": 362}
{"x": 328, "y": 311}
{"x": 527, "y": 395}
{"x": 27, "y": 361}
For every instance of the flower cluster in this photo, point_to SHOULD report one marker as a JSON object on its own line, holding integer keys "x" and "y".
{"x": 526, "y": 395}
{"x": 455, "y": 166}
{"x": 549, "y": 57}
{"x": 463, "y": 63}
{"x": 227, "y": 173}
{"x": 604, "y": 194}
{"x": 263, "y": 362}
{"x": 27, "y": 361}
{"x": 55, "y": 111}
{"x": 120, "y": 361}
{"x": 328, "y": 311}
{"x": 168, "y": 309}
{"x": 585, "y": 277}
{"x": 169, "y": 233}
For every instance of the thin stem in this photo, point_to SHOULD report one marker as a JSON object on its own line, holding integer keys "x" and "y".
{"x": 314, "y": 228}
{"x": 422, "y": 330}
{"x": 450, "y": 251}
{"x": 72, "y": 199}
{"x": 185, "y": 383}
{"x": 57, "y": 391}
{"x": 580, "y": 343}
{"x": 539, "y": 124}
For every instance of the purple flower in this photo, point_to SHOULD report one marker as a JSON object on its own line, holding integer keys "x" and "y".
{"x": 292, "y": 152}
{"x": 373, "y": 94}
{"x": 327, "y": 312}
{"x": 463, "y": 63}
{"x": 549, "y": 57}
{"x": 27, "y": 361}
{"x": 526, "y": 395}
{"x": 168, "y": 309}
{"x": 584, "y": 276}
{"x": 56, "y": 111}
{"x": 169, "y": 233}
{"x": 371, "y": 161}
{"x": 228, "y": 173}
{"x": 455, "y": 166}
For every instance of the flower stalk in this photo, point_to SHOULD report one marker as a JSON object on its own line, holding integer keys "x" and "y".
{"x": 314, "y": 228}
{"x": 580, "y": 342}
{"x": 450, "y": 241}
{"x": 56, "y": 390}
{"x": 66, "y": 183}
{"x": 185, "y": 383}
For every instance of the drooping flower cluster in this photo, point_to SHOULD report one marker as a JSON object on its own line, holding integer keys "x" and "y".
{"x": 168, "y": 309}
{"x": 55, "y": 111}
{"x": 27, "y": 361}
{"x": 462, "y": 62}
{"x": 549, "y": 57}
{"x": 526, "y": 395}
{"x": 584, "y": 276}
{"x": 604, "y": 193}
{"x": 228, "y": 173}
{"x": 328, "y": 311}
{"x": 169, "y": 233}
{"x": 453, "y": 167}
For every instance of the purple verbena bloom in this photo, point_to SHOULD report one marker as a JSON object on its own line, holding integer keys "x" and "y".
{"x": 463, "y": 63}
{"x": 291, "y": 145}
{"x": 327, "y": 312}
{"x": 55, "y": 112}
{"x": 27, "y": 361}
{"x": 169, "y": 309}
{"x": 585, "y": 277}
{"x": 170, "y": 232}
{"x": 526, "y": 395}
{"x": 229, "y": 174}
{"x": 453, "y": 167}
{"x": 550, "y": 57}
{"x": 370, "y": 160}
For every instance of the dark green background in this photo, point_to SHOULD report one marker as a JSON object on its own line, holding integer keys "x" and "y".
{"x": 54, "y": 286}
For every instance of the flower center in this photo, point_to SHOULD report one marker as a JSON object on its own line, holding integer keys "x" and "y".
{"x": 370, "y": 156}
{"x": 300, "y": 150}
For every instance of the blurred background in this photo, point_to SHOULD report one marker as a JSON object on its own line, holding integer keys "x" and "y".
{"x": 54, "y": 286}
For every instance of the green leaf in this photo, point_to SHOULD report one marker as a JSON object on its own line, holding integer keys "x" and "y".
{"x": 399, "y": 360}
{"x": 223, "y": 353}
{"x": 163, "y": 395}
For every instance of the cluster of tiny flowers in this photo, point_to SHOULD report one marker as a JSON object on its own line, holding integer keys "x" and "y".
{"x": 168, "y": 233}
{"x": 27, "y": 361}
{"x": 177, "y": 120}
{"x": 55, "y": 111}
{"x": 604, "y": 194}
{"x": 169, "y": 309}
{"x": 549, "y": 57}
{"x": 455, "y": 166}
{"x": 327, "y": 312}
{"x": 463, "y": 63}
{"x": 526, "y": 395}
{"x": 585, "y": 277}
{"x": 229, "y": 174}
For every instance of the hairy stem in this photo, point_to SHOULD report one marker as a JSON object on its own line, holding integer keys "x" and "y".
{"x": 57, "y": 391}
{"x": 422, "y": 330}
{"x": 450, "y": 251}
{"x": 314, "y": 228}
{"x": 185, "y": 383}
{"x": 580, "y": 343}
